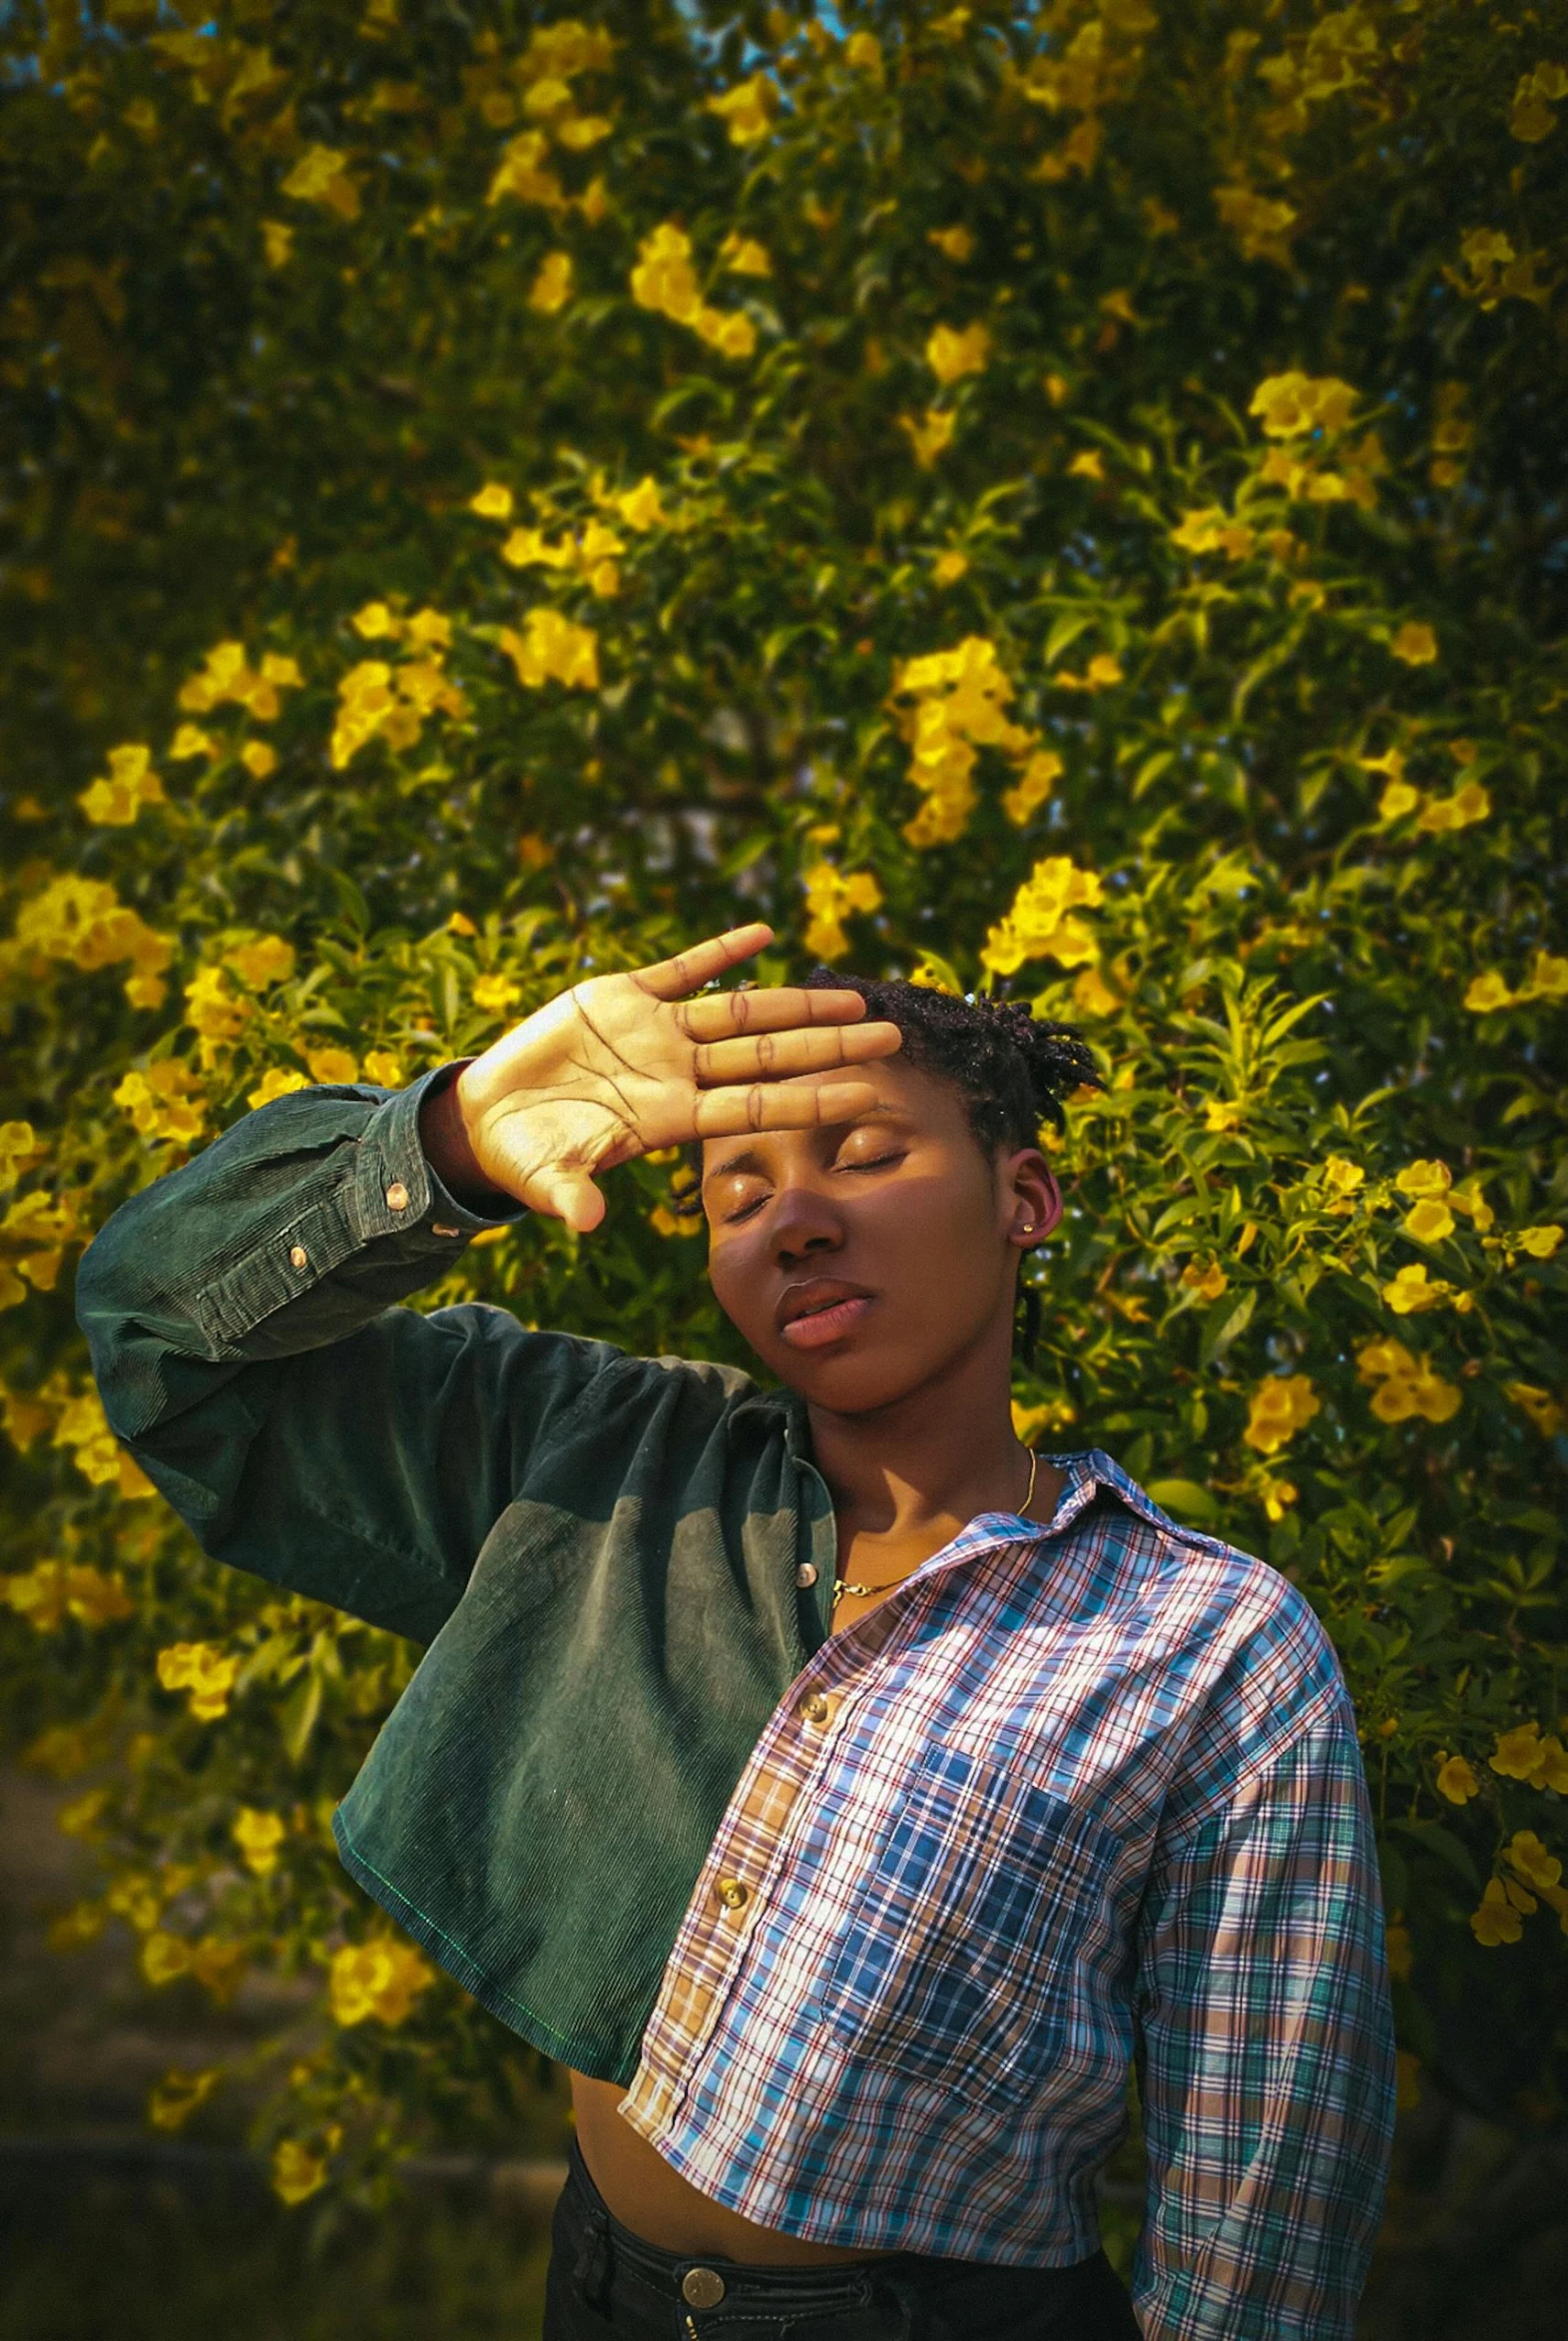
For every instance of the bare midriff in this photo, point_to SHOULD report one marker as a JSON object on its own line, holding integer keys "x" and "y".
{"x": 665, "y": 2209}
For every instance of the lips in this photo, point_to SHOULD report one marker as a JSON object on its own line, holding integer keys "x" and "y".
{"x": 820, "y": 1310}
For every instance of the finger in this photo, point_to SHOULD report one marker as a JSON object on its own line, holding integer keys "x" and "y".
{"x": 726, "y": 1113}
{"x": 567, "y": 1194}
{"x": 669, "y": 979}
{"x": 770, "y": 1009}
{"x": 775, "y": 1056}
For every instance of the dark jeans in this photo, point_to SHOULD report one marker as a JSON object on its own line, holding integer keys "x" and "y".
{"x": 605, "y": 2281}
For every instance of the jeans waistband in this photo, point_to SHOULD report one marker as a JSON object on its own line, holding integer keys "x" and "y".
{"x": 809, "y": 2289}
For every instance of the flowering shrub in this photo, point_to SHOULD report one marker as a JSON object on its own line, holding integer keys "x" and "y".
{"x": 1053, "y": 500}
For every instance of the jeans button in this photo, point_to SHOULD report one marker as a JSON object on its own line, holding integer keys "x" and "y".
{"x": 702, "y": 2288}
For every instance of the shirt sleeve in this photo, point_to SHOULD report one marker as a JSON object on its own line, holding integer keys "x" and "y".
{"x": 1265, "y": 2055}
{"x": 241, "y": 1320}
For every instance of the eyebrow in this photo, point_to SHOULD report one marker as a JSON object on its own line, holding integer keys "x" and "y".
{"x": 749, "y": 1158}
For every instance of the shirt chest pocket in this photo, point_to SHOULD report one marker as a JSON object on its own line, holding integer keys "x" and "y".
{"x": 985, "y": 1936}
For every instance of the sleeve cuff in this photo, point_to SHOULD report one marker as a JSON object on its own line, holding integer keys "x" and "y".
{"x": 396, "y": 1193}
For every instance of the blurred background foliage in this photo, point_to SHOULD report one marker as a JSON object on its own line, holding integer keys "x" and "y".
{"x": 1063, "y": 497}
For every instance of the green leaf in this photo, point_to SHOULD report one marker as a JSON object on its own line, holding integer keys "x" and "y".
{"x": 1184, "y": 1500}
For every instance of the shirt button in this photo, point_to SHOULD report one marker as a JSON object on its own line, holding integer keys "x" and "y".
{"x": 806, "y": 1575}
{"x": 397, "y": 1196}
{"x": 815, "y": 1708}
{"x": 702, "y": 2288}
{"x": 299, "y": 1256}
{"x": 732, "y": 1894}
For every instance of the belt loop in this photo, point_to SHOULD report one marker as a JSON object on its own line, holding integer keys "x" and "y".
{"x": 909, "y": 2318}
{"x": 591, "y": 2275}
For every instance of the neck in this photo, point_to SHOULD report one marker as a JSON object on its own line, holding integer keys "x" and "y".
{"x": 914, "y": 1472}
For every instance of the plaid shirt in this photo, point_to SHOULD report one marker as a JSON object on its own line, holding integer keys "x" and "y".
{"x": 1061, "y": 1802}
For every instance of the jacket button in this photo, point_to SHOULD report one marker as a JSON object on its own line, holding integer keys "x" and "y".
{"x": 397, "y": 1196}
{"x": 806, "y": 1575}
{"x": 732, "y": 1894}
{"x": 702, "y": 2288}
{"x": 815, "y": 1708}
{"x": 299, "y": 1256}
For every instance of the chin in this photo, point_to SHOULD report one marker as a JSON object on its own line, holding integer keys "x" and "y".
{"x": 845, "y": 1385}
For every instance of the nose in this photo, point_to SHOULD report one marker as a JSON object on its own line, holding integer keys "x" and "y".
{"x": 804, "y": 1224}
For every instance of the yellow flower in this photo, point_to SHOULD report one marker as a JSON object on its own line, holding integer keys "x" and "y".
{"x": 1424, "y": 1176}
{"x": 201, "y": 1669}
{"x": 259, "y": 759}
{"x": 1466, "y": 805}
{"x": 322, "y": 177}
{"x": 19, "y": 1150}
{"x": 213, "y": 1011}
{"x": 381, "y": 1979}
{"x": 297, "y": 2172}
{"x": 1522, "y": 1754}
{"x": 385, "y": 1069}
{"x": 864, "y": 52}
{"x": 496, "y": 993}
{"x": 171, "y": 2100}
{"x": 730, "y": 333}
{"x": 1278, "y": 1408}
{"x": 161, "y": 1101}
{"x": 53, "y": 1591}
{"x": 1547, "y": 979}
{"x": 258, "y": 1836}
{"x": 1033, "y": 786}
{"x": 1197, "y": 532}
{"x": 115, "y": 801}
{"x": 165, "y": 1958}
{"x": 552, "y": 287}
{"x": 1532, "y": 117}
{"x": 747, "y": 110}
{"x": 1207, "y": 1280}
{"x": 1404, "y": 1384}
{"x": 1410, "y": 1291}
{"x": 1278, "y": 1495}
{"x": 374, "y": 621}
{"x": 1429, "y": 1221}
{"x": 335, "y": 1067}
{"x": 1261, "y": 223}
{"x": 956, "y": 243}
{"x": 928, "y": 435}
{"x": 1455, "y": 1779}
{"x": 493, "y": 502}
{"x": 948, "y": 567}
{"x": 1293, "y": 404}
{"x": 1221, "y": 1114}
{"x": 1539, "y": 1242}
{"x": 1340, "y": 1176}
{"x": 1488, "y": 993}
{"x": 1529, "y": 1859}
{"x": 521, "y": 172}
{"x": 1397, "y": 799}
{"x": 1543, "y": 1410}
{"x": 1089, "y": 465}
{"x": 831, "y": 895}
{"x": 277, "y": 243}
{"x": 742, "y": 256}
{"x": 190, "y": 739}
{"x": 640, "y": 507}
{"x": 951, "y": 354}
{"x": 1495, "y": 1921}
{"x": 1040, "y": 925}
{"x": 279, "y": 1082}
{"x": 1092, "y": 995}
{"x": 553, "y": 649}
{"x": 1415, "y": 645}
{"x": 265, "y": 961}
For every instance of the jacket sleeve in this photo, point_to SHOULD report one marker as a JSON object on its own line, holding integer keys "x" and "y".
{"x": 240, "y": 1315}
{"x": 1265, "y": 2058}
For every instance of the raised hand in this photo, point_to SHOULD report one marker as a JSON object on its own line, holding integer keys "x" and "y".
{"x": 622, "y": 1064}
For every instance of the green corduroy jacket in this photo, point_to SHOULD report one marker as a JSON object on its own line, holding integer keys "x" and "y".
{"x": 611, "y": 1558}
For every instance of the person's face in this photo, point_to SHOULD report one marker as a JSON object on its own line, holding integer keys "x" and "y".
{"x": 896, "y": 1220}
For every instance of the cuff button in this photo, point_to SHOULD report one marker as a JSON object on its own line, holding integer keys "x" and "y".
{"x": 397, "y": 1196}
{"x": 299, "y": 1256}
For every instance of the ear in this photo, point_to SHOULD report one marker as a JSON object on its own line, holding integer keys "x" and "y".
{"x": 1031, "y": 1197}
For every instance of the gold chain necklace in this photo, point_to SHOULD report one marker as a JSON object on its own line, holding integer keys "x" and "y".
{"x": 842, "y": 1587}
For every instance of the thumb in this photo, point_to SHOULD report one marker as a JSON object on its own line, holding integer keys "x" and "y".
{"x": 569, "y": 1195}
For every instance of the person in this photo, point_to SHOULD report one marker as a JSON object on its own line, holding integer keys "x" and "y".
{"x": 848, "y": 1795}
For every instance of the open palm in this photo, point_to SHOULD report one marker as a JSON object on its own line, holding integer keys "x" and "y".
{"x": 622, "y": 1064}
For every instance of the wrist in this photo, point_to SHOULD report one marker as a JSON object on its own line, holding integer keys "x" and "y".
{"x": 444, "y": 1140}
